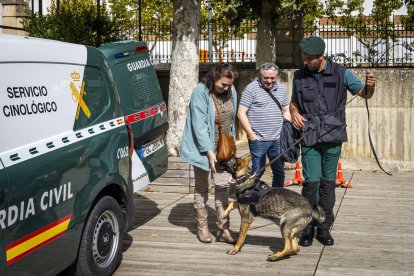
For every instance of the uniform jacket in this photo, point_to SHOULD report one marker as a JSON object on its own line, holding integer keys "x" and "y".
{"x": 318, "y": 100}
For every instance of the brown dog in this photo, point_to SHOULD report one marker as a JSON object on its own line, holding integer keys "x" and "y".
{"x": 288, "y": 209}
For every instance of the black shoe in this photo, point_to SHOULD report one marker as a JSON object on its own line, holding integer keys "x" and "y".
{"x": 307, "y": 236}
{"x": 324, "y": 237}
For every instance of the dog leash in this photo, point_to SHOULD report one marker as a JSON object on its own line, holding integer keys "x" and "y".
{"x": 313, "y": 129}
{"x": 282, "y": 153}
{"x": 369, "y": 129}
{"x": 298, "y": 141}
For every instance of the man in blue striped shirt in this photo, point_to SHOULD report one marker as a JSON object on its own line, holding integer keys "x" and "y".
{"x": 262, "y": 120}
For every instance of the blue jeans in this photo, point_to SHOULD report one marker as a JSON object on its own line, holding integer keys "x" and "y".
{"x": 259, "y": 150}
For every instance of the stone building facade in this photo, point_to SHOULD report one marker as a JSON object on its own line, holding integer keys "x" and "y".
{"x": 12, "y": 13}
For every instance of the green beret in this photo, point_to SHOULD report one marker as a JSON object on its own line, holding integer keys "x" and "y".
{"x": 313, "y": 46}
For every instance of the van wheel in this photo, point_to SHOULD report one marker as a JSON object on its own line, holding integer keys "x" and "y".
{"x": 100, "y": 250}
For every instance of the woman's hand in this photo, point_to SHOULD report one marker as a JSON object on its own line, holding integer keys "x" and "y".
{"x": 212, "y": 159}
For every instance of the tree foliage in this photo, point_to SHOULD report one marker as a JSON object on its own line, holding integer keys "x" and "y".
{"x": 409, "y": 19}
{"x": 282, "y": 11}
{"x": 269, "y": 14}
{"x": 222, "y": 26}
{"x": 75, "y": 21}
{"x": 157, "y": 16}
{"x": 376, "y": 31}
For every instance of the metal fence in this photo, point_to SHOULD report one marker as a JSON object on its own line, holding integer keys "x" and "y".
{"x": 228, "y": 44}
{"x": 364, "y": 44}
{"x": 367, "y": 44}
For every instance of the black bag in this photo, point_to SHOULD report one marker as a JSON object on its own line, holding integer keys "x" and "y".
{"x": 331, "y": 129}
{"x": 310, "y": 132}
{"x": 288, "y": 137}
{"x": 322, "y": 129}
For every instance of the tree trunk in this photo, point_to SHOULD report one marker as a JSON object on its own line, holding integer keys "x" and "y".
{"x": 184, "y": 68}
{"x": 266, "y": 42}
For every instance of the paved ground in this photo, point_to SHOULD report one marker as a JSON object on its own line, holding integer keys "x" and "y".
{"x": 373, "y": 231}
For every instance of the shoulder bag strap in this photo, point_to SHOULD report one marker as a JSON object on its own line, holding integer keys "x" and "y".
{"x": 218, "y": 113}
{"x": 276, "y": 101}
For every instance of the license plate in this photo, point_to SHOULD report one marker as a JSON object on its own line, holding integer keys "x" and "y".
{"x": 152, "y": 146}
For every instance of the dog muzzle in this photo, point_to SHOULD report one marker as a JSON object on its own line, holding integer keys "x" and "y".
{"x": 244, "y": 177}
{"x": 227, "y": 165}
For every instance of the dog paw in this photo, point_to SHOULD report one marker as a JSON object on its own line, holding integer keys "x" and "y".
{"x": 273, "y": 258}
{"x": 233, "y": 251}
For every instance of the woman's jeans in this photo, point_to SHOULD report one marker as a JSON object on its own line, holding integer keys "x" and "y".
{"x": 270, "y": 149}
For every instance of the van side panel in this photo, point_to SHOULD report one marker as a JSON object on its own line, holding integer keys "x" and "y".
{"x": 103, "y": 108}
{"x": 53, "y": 202}
{"x": 35, "y": 100}
{"x": 57, "y": 160}
{"x": 38, "y": 112}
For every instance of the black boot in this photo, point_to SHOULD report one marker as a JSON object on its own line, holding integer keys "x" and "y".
{"x": 309, "y": 191}
{"x": 307, "y": 235}
{"x": 324, "y": 237}
{"x": 327, "y": 202}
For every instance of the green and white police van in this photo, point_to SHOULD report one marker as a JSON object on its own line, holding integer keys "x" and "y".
{"x": 82, "y": 129}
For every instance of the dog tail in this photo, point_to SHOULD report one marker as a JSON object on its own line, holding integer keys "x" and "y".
{"x": 318, "y": 214}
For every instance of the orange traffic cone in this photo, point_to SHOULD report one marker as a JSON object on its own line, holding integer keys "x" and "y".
{"x": 297, "y": 179}
{"x": 340, "y": 181}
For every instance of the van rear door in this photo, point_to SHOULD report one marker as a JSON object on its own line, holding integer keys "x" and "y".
{"x": 41, "y": 153}
{"x": 143, "y": 106}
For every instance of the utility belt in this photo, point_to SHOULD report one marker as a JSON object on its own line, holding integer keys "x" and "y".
{"x": 323, "y": 128}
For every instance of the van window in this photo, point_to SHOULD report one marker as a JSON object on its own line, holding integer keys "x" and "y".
{"x": 96, "y": 96}
{"x": 143, "y": 86}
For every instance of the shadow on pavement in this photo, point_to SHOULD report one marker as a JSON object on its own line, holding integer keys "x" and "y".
{"x": 145, "y": 210}
{"x": 183, "y": 215}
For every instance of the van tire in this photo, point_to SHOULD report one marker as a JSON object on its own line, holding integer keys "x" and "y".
{"x": 100, "y": 251}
